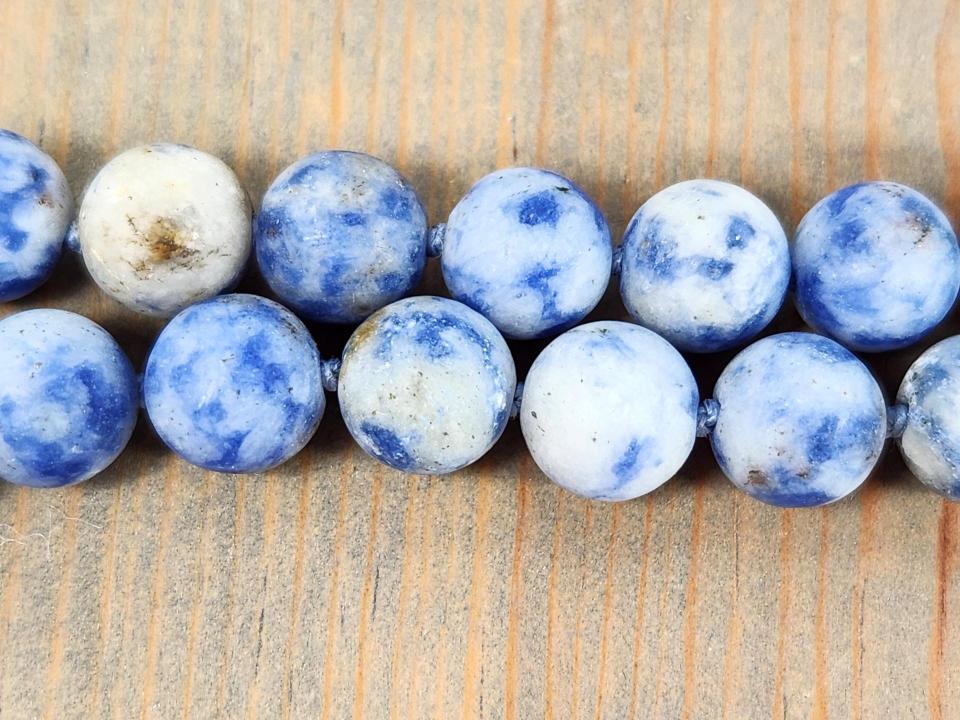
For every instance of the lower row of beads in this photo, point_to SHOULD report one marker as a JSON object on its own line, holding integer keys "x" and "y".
{"x": 609, "y": 410}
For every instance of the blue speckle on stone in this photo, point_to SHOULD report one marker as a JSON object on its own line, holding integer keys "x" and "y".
{"x": 339, "y": 235}
{"x": 739, "y": 233}
{"x": 529, "y": 250}
{"x": 386, "y": 446}
{"x": 539, "y": 209}
{"x": 876, "y": 266}
{"x": 36, "y": 208}
{"x": 233, "y": 384}
{"x": 69, "y": 400}
{"x": 802, "y": 421}
{"x": 632, "y": 460}
{"x": 705, "y": 264}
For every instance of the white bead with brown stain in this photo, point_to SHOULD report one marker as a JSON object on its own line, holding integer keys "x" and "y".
{"x": 163, "y": 226}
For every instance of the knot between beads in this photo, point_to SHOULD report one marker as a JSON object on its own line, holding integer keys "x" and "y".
{"x": 435, "y": 239}
{"x": 707, "y": 414}
{"x": 517, "y": 400}
{"x": 330, "y": 373}
{"x": 896, "y": 420}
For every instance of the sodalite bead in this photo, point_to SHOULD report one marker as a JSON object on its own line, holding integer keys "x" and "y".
{"x": 609, "y": 410}
{"x": 68, "y": 398}
{"x": 233, "y": 384}
{"x": 802, "y": 421}
{"x": 930, "y": 443}
{"x": 876, "y": 265}
{"x": 163, "y": 226}
{"x": 529, "y": 250}
{"x": 705, "y": 264}
{"x": 426, "y": 385}
{"x": 35, "y": 211}
{"x": 339, "y": 235}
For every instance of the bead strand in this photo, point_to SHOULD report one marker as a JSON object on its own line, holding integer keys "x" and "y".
{"x": 609, "y": 410}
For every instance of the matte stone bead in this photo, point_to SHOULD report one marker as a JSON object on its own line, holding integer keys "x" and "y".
{"x": 68, "y": 398}
{"x": 36, "y": 208}
{"x": 426, "y": 385}
{"x": 609, "y": 410}
{"x": 877, "y": 266}
{"x": 802, "y": 421}
{"x": 705, "y": 264}
{"x": 930, "y": 443}
{"x": 339, "y": 235}
{"x": 529, "y": 250}
{"x": 163, "y": 226}
{"x": 233, "y": 384}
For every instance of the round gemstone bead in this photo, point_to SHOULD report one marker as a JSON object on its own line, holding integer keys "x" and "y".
{"x": 163, "y": 226}
{"x": 233, "y": 384}
{"x": 36, "y": 207}
{"x": 609, "y": 410}
{"x": 426, "y": 385}
{"x": 930, "y": 443}
{"x": 339, "y": 235}
{"x": 802, "y": 421}
{"x": 68, "y": 399}
{"x": 876, "y": 265}
{"x": 529, "y": 250}
{"x": 705, "y": 264}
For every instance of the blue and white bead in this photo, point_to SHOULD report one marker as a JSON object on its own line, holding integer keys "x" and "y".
{"x": 36, "y": 207}
{"x": 930, "y": 443}
{"x": 801, "y": 423}
{"x": 163, "y": 226}
{"x": 427, "y": 385}
{"x": 529, "y": 250}
{"x": 68, "y": 399}
{"x": 609, "y": 410}
{"x": 233, "y": 384}
{"x": 705, "y": 264}
{"x": 339, "y": 235}
{"x": 876, "y": 266}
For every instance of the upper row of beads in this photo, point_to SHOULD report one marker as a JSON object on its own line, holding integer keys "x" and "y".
{"x": 704, "y": 263}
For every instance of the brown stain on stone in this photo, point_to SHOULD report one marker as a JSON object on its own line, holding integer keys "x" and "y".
{"x": 165, "y": 243}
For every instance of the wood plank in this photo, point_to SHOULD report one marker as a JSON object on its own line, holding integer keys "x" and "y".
{"x": 337, "y": 588}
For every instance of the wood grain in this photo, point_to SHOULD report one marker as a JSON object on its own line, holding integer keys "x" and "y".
{"x": 336, "y": 588}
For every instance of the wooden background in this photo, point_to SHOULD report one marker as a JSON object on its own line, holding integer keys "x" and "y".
{"x": 335, "y": 588}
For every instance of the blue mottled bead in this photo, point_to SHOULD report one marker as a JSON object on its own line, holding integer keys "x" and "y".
{"x": 930, "y": 443}
{"x": 876, "y": 265}
{"x": 339, "y": 235}
{"x": 233, "y": 384}
{"x": 609, "y": 410}
{"x": 35, "y": 211}
{"x": 68, "y": 398}
{"x": 426, "y": 385}
{"x": 529, "y": 250}
{"x": 705, "y": 264}
{"x": 802, "y": 421}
